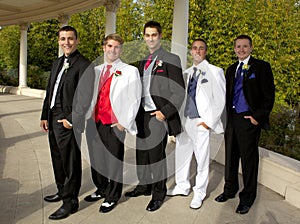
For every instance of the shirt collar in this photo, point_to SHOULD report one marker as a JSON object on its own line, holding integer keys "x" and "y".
{"x": 245, "y": 61}
{"x": 114, "y": 64}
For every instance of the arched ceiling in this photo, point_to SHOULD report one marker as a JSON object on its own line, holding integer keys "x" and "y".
{"x": 14, "y": 12}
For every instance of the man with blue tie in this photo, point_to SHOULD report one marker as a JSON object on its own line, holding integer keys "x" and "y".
{"x": 250, "y": 94}
{"x": 205, "y": 104}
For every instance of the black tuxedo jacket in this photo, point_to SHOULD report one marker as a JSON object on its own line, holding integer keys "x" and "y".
{"x": 74, "y": 101}
{"x": 167, "y": 88}
{"x": 258, "y": 87}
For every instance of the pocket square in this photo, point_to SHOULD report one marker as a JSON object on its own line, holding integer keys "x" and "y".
{"x": 204, "y": 81}
{"x": 252, "y": 76}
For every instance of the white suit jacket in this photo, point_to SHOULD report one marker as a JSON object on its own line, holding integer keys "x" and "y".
{"x": 125, "y": 93}
{"x": 210, "y": 95}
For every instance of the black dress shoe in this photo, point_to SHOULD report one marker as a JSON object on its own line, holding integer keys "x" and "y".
{"x": 242, "y": 209}
{"x": 136, "y": 193}
{"x": 52, "y": 198}
{"x": 154, "y": 205}
{"x": 107, "y": 206}
{"x": 64, "y": 211}
{"x": 93, "y": 197}
{"x": 222, "y": 198}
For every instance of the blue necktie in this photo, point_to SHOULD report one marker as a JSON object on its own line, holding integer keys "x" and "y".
{"x": 239, "y": 71}
{"x": 190, "y": 107}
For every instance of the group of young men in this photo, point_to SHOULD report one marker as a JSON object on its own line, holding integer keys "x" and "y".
{"x": 152, "y": 102}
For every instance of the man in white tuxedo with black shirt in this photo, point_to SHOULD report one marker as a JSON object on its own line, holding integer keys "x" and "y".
{"x": 201, "y": 114}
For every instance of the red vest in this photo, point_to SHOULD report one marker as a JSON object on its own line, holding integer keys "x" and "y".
{"x": 103, "y": 109}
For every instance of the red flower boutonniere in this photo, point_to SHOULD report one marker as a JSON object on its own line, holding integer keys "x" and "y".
{"x": 118, "y": 73}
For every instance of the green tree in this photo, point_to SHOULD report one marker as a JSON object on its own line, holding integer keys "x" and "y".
{"x": 42, "y": 44}
{"x": 91, "y": 30}
{"x": 9, "y": 47}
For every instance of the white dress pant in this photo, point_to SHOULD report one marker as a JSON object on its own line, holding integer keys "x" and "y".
{"x": 194, "y": 139}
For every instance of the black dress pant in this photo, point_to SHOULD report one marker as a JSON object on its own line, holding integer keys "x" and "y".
{"x": 151, "y": 143}
{"x": 106, "y": 151}
{"x": 241, "y": 142}
{"x": 66, "y": 157}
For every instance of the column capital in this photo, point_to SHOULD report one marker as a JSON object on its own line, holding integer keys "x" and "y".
{"x": 24, "y": 26}
{"x": 112, "y": 5}
{"x": 63, "y": 19}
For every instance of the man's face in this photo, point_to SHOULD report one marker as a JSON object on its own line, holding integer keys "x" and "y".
{"x": 68, "y": 42}
{"x": 242, "y": 48}
{"x": 198, "y": 52}
{"x": 112, "y": 50}
{"x": 152, "y": 38}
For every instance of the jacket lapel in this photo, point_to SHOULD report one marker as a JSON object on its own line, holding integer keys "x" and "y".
{"x": 250, "y": 63}
{"x": 72, "y": 61}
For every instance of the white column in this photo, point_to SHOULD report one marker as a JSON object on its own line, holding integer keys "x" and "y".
{"x": 110, "y": 23}
{"x": 23, "y": 56}
{"x": 63, "y": 20}
{"x": 180, "y": 30}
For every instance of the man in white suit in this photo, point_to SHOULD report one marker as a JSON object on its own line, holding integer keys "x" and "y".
{"x": 117, "y": 94}
{"x": 205, "y": 103}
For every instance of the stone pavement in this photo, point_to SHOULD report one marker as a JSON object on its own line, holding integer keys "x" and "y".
{"x": 27, "y": 176}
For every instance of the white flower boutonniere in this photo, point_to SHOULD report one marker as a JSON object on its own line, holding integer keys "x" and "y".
{"x": 158, "y": 63}
{"x": 66, "y": 66}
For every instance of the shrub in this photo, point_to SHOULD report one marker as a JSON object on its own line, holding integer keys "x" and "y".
{"x": 9, "y": 77}
{"x": 284, "y": 136}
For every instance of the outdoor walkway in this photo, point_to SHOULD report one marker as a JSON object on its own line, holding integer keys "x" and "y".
{"x": 27, "y": 176}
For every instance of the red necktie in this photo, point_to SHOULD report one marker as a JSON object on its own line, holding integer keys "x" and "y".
{"x": 105, "y": 76}
{"x": 148, "y": 61}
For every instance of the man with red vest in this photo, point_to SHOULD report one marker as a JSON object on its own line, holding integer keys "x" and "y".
{"x": 117, "y": 95}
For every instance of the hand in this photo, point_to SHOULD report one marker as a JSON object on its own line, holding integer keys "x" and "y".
{"x": 44, "y": 125}
{"x": 159, "y": 115}
{"x": 252, "y": 120}
{"x": 120, "y": 127}
{"x": 65, "y": 122}
{"x": 203, "y": 124}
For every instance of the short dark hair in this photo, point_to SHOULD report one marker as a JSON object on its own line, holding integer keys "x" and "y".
{"x": 243, "y": 36}
{"x": 113, "y": 36}
{"x": 67, "y": 28}
{"x": 202, "y": 40}
{"x": 153, "y": 24}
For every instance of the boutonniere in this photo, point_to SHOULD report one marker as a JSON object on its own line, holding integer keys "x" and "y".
{"x": 117, "y": 73}
{"x": 202, "y": 72}
{"x": 158, "y": 63}
{"x": 245, "y": 68}
{"x": 66, "y": 66}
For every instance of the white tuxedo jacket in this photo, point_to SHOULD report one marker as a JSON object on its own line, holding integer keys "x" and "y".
{"x": 210, "y": 95}
{"x": 125, "y": 93}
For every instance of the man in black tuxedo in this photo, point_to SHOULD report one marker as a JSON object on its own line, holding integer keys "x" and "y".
{"x": 163, "y": 94}
{"x": 250, "y": 94}
{"x": 62, "y": 117}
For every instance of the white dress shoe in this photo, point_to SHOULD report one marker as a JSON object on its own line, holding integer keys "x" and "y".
{"x": 177, "y": 191}
{"x": 196, "y": 202}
